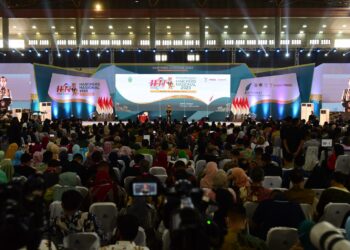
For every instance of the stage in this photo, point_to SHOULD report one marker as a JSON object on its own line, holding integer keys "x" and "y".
{"x": 90, "y": 123}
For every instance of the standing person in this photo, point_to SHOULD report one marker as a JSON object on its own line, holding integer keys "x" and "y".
{"x": 293, "y": 139}
{"x": 169, "y": 111}
{"x": 14, "y": 132}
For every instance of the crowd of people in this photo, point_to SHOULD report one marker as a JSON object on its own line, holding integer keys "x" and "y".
{"x": 210, "y": 171}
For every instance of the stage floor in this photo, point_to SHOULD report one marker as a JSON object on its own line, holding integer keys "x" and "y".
{"x": 90, "y": 123}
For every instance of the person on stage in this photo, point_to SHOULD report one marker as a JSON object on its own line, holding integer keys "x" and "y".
{"x": 5, "y": 95}
{"x": 169, "y": 112}
{"x": 346, "y": 99}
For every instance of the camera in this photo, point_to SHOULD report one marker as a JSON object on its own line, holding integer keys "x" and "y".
{"x": 325, "y": 236}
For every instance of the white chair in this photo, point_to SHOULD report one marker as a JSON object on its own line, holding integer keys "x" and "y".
{"x": 279, "y": 238}
{"x": 272, "y": 182}
{"x": 184, "y": 160}
{"x": 162, "y": 178}
{"x": 334, "y": 213}
{"x": 127, "y": 181}
{"x": 277, "y": 151}
{"x": 82, "y": 241}
{"x": 82, "y": 190}
{"x": 106, "y": 214}
{"x": 311, "y": 158}
{"x": 58, "y": 190}
{"x": 190, "y": 170}
{"x": 307, "y": 210}
{"x": 117, "y": 174}
{"x": 122, "y": 170}
{"x": 200, "y": 166}
{"x": 157, "y": 171}
{"x": 55, "y": 210}
{"x": 250, "y": 208}
{"x": 140, "y": 239}
{"x": 280, "y": 189}
{"x": 166, "y": 240}
{"x": 223, "y": 162}
{"x": 149, "y": 158}
{"x": 342, "y": 164}
{"x": 318, "y": 192}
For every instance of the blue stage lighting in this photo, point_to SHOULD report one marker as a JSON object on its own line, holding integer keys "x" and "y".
{"x": 191, "y": 50}
{"x": 154, "y": 50}
{"x": 309, "y": 54}
{"x": 68, "y": 50}
{"x": 287, "y": 54}
{"x": 139, "y": 50}
{"x": 38, "y": 55}
{"x": 318, "y": 50}
{"x": 239, "y": 51}
{"x": 87, "y": 51}
{"x": 267, "y": 55}
{"x": 122, "y": 50}
{"x": 258, "y": 50}
{"x": 278, "y": 50}
{"x": 334, "y": 50}
{"x": 223, "y": 50}
{"x": 107, "y": 51}
{"x": 301, "y": 50}
{"x": 247, "y": 55}
{"x": 30, "y": 51}
{"x": 206, "y": 50}
{"x": 172, "y": 50}
{"x": 46, "y": 50}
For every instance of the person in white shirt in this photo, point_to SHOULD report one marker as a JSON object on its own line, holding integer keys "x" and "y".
{"x": 127, "y": 229}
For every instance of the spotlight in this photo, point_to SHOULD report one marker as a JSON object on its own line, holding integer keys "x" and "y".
{"x": 287, "y": 54}
{"x": 46, "y": 50}
{"x": 266, "y": 54}
{"x": 223, "y": 50}
{"x": 308, "y": 54}
{"x": 326, "y": 54}
{"x": 13, "y": 51}
{"x": 78, "y": 55}
{"x": 154, "y": 50}
{"x": 344, "y": 54}
{"x": 139, "y": 50}
{"x": 172, "y": 50}
{"x": 334, "y": 50}
{"x": 5, "y": 54}
{"x": 107, "y": 51}
{"x": 301, "y": 51}
{"x": 247, "y": 55}
{"x": 278, "y": 50}
{"x": 122, "y": 50}
{"x": 38, "y": 55}
{"x": 59, "y": 55}
{"x": 87, "y": 51}
{"x": 22, "y": 54}
{"x": 191, "y": 50}
{"x": 258, "y": 50}
{"x": 30, "y": 51}
{"x": 206, "y": 50}
{"x": 98, "y": 54}
{"x": 68, "y": 51}
{"x": 318, "y": 50}
{"x": 239, "y": 51}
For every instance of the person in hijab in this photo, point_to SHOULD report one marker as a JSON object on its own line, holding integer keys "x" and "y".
{"x": 239, "y": 178}
{"x": 11, "y": 151}
{"x": 37, "y": 160}
{"x": 16, "y": 161}
{"x": 220, "y": 181}
{"x": 107, "y": 148}
{"x": 76, "y": 149}
{"x": 3, "y": 177}
{"x": 7, "y": 167}
{"x": 209, "y": 172}
{"x": 68, "y": 179}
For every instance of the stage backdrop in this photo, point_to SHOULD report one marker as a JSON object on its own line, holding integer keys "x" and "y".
{"x": 194, "y": 91}
{"x": 72, "y": 93}
{"x": 277, "y": 96}
{"x": 304, "y": 75}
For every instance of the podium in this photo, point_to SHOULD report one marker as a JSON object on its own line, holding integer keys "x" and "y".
{"x": 306, "y": 109}
{"x": 324, "y": 116}
{"x": 45, "y": 110}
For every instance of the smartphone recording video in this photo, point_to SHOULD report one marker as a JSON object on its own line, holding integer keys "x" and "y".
{"x": 140, "y": 189}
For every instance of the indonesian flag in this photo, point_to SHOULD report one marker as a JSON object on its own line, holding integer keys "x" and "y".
{"x": 233, "y": 106}
{"x": 246, "y": 106}
{"x": 240, "y": 106}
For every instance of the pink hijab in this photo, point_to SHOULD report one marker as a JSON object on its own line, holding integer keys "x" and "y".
{"x": 210, "y": 171}
{"x": 240, "y": 178}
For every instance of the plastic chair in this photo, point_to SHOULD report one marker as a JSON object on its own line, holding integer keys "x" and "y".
{"x": 149, "y": 158}
{"x": 127, "y": 182}
{"x": 157, "y": 171}
{"x": 281, "y": 238}
{"x": 223, "y": 162}
{"x": 250, "y": 208}
{"x": 82, "y": 241}
{"x": 122, "y": 170}
{"x": 200, "y": 166}
{"x": 82, "y": 190}
{"x": 272, "y": 182}
{"x": 162, "y": 178}
{"x": 334, "y": 213}
{"x": 342, "y": 164}
{"x": 318, "y": 192}
{"x": 141, "y": 237}
{"x": 55, "y": 210}
{"x": 117, "y": 174}
{"x": 311, "y": 158}
{"x": 166, "y": 240}
{"x": 106, "y": 214}
{"x": 307, "y": 210}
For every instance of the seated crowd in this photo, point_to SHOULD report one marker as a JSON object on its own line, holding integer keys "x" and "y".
{"x": 218, "y": 186}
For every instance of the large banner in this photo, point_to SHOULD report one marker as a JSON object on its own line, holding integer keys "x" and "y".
{"x": 268, "y": 96}
{"x": 152, "y": 88}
